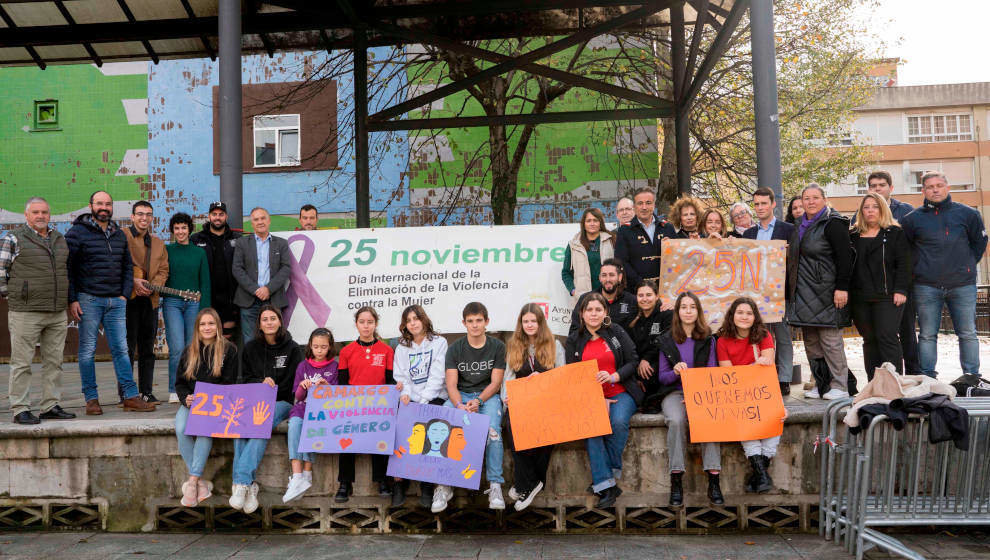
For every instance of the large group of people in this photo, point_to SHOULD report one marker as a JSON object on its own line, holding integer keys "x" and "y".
{"x": 222, "y": 293}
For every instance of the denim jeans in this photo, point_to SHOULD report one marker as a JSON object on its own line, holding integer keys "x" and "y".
{"x": 248, "y": 453}
{"x": 180, "y": 320}
{"x": 195, "y": 450}
{"x": 605, "y": 452}
{"x": 962, "y": 309}
{"x": 492, "y": 408}
{"x": 295, "y": 434}
{"x": 111, "y": 312}
{"x": 249, "y": 320}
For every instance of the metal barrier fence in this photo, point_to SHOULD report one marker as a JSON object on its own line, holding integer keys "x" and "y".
{"x": 887, "y": 478}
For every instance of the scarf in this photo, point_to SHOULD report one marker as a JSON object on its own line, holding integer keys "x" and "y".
{"x": 806, "y": 223}
{"x": 316, "y": 364}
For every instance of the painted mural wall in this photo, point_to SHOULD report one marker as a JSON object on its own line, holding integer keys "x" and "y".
{"x": 145, "y": 131}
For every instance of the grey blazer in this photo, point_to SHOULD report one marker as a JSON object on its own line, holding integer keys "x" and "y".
{"x": 245, "y": 268}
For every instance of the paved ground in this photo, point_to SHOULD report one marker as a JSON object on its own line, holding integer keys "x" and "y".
{"x": 103, "y": 546}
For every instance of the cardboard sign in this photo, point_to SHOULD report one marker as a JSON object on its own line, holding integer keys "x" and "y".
{"x": 733, "y": 403}
{"x": 439, "y": 444}
{"x": 718, "y": 271}
{"x": 232, "y": 411}
{"x": 539, "y": 417}
{"x": 349, "y": 419}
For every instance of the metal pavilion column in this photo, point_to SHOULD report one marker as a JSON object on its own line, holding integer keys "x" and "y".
{"x": 768, "y": 169}
{"x": 361, "y": 184}
{"x": 231, "y": 191}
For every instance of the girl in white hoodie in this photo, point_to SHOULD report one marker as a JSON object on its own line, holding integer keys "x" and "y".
{"x": 419, "y": 366}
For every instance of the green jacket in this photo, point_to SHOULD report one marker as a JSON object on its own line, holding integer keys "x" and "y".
{"x": 38, "y": 276}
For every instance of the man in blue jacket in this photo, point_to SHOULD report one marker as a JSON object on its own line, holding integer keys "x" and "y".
{"x": 638, "y": 244}
{"x": 101, "y": 276}
{"x": 768, "y": 228}
{"x": 948, "y": 240}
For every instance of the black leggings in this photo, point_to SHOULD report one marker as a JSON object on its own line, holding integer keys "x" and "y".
{"x": 878, "y": 322}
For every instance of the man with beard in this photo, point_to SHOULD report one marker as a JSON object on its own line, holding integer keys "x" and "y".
{"x": 621, "y": 304}
{"x": 101, "y": 276}
{"x": 218, "y": 239}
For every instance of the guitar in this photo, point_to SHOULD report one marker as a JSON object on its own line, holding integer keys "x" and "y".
{"x": 187, "y": 295}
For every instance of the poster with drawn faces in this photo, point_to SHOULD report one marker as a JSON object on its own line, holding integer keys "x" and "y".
{"x": 440, "y": 445}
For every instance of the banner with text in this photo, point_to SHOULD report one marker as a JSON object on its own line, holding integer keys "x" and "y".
{"x": 738, "y": 403}
{"x": 231, "y": 411}
{"x": 349, "y": 419}
{"x": 335, "y": 272}
{"x": 718, "y": 271}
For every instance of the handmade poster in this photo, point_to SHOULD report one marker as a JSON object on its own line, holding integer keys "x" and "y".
{"x": 439, "y": 444}
{"x": 736, "y": 403}
{"x": 538, "y": 419}
{"x": 720, "y": 270}
{"x": 349, "y": 419}
{"x": 231, "y": 411}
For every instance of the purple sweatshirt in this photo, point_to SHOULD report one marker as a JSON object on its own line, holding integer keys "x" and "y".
{"x": 686, "y": 349}
{"x": 307, "y": 370}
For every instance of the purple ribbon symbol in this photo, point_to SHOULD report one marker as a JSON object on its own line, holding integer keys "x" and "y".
{"x": 300, "y": 288}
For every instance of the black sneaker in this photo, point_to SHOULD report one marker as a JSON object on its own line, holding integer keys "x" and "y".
{"x": 56, "y": 413}
{"x": 149, "y": 398}
{"x": 343, "y": 493}
{"x": 607, "y": 497}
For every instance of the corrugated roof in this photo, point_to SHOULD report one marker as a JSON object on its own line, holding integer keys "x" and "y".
{"x": 41, "y": 32}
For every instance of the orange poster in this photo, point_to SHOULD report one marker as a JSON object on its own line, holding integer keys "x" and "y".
{"x": 733, "y": 403}
{"x": 563, "y": 404}
{"x": 718, "y": 271}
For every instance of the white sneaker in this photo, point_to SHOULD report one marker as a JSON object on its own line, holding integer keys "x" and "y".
{"x": 251, "y": 501}
{"x": 238, "y": 492}
{"x": 297, "y": 487}
{"x": 812, "y": 394}
{"x": 834, "y": 394}
{"x": 173, "y": 398}
{"x": 512, "y": 494}
{"x": 524, "y": 502}
{"x": 441, "y": 495}
{"x": 495, "y": 499}
{"x": 308, "y": 475}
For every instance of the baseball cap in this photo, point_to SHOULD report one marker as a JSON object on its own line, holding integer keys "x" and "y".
{"x": 218, "y": 205}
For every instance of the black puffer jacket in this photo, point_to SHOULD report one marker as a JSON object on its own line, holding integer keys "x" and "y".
{"x": 646, "y": 333}
{"x": 99, "y": 261}
{"x": 887, "y": 265}
{"x": 278, "y": 361}
{"x": 817, "y": 265}
{"x": 622, "y": 348}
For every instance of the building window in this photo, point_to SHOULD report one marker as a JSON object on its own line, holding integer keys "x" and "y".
{"x": 46, "y": 115}
{"x": 939, "y": 128}
{"x": 960, "y": 173}
{"x": 276, "y": 140}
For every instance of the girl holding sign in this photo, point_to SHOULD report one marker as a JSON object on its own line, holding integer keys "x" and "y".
{"x": 531, "y": 350}
{"x": 271, "y": 358}
{"x": 419, "y": 367}
{"x": 688, "y": 344}
{"x": 366, "y": 361}
{"x": 597, "y": 339}
{"x": 744, "y": 340}
{"x": 210, "y": 358}
{"x": 319, "y": 367}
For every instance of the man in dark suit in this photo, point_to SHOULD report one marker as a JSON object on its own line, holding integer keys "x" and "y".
{"x": 767, "y": 228}
{"x": 638, "y": 244}
{"x": 261, "y": 268}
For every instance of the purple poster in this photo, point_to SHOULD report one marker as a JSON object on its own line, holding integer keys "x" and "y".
{"x": 350, "y": 419}
{"x": 439, "y": 444}
{"x": 232, "y": 411}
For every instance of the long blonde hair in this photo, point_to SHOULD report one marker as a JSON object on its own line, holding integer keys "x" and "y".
{"x": 886, "y": 217}
{"x": 218, "y": 347}
{"x": 518, "y": 345}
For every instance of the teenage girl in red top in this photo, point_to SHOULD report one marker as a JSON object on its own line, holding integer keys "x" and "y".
{"x": 597, "y": 339}
{"x": 743, "y": 339}
{"x": 366, "y": 361}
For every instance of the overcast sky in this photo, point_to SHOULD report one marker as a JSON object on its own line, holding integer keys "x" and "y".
{"x": 938, "y": 42}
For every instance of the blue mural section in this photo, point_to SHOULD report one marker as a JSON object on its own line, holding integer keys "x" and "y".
{"x": 180, "y": 143}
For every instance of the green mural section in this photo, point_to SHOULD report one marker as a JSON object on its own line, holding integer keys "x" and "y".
{"x": 64, "y": 135}
{"x": 559, "y": 157}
